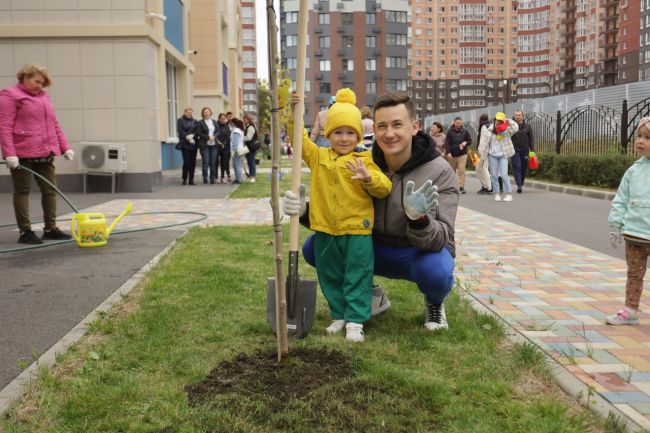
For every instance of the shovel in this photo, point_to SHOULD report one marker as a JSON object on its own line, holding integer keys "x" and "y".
{"x": 300, "y": 294}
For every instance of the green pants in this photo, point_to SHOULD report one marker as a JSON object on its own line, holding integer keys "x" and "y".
{"x": 344, "y": 265}
{"x": 22, "y": 182}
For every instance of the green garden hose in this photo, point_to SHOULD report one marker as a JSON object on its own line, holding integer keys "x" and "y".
{"x": 201, "y": 216}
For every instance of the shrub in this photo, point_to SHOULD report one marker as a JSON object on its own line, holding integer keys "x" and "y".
{"x": 604, "y": 171}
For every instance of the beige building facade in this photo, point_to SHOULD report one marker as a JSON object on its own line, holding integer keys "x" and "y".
{"x": 215, "y": 50}
{"x": 121, "y": 74}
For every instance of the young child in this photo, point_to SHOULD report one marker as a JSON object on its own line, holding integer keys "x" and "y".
{"x": 630, "y": 219}
{"x": 344, "y": 181}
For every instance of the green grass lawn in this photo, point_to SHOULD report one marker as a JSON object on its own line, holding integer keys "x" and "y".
{"x": 205, "y": 303}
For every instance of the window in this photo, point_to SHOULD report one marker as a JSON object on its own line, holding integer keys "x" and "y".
{"x": 291, "y": 17}
{"x": 248, "y": 59}
{"x": 399, "y": 85}
{"x": 325, "y": 65}
{"x": 172, "y": 99}
{"x": 346, "y": 18}
{"x": 396, "y": 16}
{"x": 323, "y": 19}
{"x": 347, "y": 41}
{"x": 371, "y": 19}
{"x": 396, "y": 62}
{"x": 324, "y": 41}
{"x": 325, "y": 88}
{"x": 348, "y": 65}
{"x": 371, "y": 41}
{"x": 371, "y": 64}
{"x": 371, "y": 88}
{"x": 292, "y": 40}
{"x": 396, "y": 39}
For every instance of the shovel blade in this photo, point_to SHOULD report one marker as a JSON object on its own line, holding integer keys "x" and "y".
{"x": 300, "y": 324}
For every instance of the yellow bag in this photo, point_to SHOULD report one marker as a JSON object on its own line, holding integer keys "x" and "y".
{"x": 473, "y": 158}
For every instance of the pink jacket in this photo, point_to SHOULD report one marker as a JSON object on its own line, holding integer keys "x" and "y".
{"x": 28, "y": 125}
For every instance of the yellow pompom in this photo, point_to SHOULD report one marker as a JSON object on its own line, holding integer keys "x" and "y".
{"x": 346, "y": 95}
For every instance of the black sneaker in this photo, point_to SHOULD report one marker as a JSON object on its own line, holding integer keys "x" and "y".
{"x": 55, "y": 235}
{"x": 462, "y": 190}
{"x": 435, "y": 317}
{"x": 483, "y": 191}
{"x": 519, "y": 190}
{"x": 29, "y": 237}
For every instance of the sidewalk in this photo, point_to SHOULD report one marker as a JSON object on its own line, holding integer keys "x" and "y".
{"x": 553, "y": 293}
{"x": 556, "y": 295}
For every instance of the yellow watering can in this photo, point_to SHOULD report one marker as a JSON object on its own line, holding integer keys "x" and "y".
{"x": 89, "y": 229}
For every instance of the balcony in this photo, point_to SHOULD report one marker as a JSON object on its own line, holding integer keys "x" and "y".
{"x": 340, "y": 52}
{"x": 319, "y": 76}
{"x": 376, "y": 29}
{"x": 318, "y": 53}
{"x": 340, "y": 29}
{"x": 318, "y": 30}
{"x": 342, "y": 75}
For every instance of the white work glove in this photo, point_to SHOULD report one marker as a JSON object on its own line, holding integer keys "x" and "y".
{"x": 292, "y": 205}
{"x": 418, "y": 203}
{"x": 615, "y": 238}
{"x": 190, "y": 138}
{"x": 12, "y": 162}
{"x": 69, "y": 154}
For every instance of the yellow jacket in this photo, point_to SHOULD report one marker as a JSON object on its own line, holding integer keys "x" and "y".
{"x": 339, "y": 205}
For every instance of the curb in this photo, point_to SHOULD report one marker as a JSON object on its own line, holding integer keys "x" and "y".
{"x": 11, "y": 393}
{"x": 567, "y": 381}
{"x": 553, "y": 187}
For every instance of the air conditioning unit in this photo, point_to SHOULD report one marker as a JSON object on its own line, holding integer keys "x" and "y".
{"x": 101, "y": 157}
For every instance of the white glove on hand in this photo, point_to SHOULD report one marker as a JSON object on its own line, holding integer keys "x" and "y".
{"x": 418, "y": 203}
{"x": 190, "y": 138}
{"x": 615, "y": 238}
{"x": 292, "y": 205}
{"x": 12, "y": 162}
{"x": 69, "y": 154}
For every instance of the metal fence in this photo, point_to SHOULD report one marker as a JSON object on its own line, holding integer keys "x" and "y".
{"x": 591, "y": 122}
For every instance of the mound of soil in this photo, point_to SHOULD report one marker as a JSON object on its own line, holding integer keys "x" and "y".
{"x": 305, "y": 370}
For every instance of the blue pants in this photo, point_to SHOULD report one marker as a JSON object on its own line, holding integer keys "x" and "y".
{"x": 250, "y": 159}
{"x": 499, "y": 168}
{"x": 209, "y": 161}
{"x": 520, "y": 167}
{"x": 433, "y": 272}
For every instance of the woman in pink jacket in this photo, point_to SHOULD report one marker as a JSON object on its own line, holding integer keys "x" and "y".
{"x": 30, "y": 135}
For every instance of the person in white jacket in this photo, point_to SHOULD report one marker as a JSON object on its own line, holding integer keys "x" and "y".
{"x": 496, "y": 145}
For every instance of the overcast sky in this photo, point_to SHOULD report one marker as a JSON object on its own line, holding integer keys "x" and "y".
{"x": 262, "y": 48}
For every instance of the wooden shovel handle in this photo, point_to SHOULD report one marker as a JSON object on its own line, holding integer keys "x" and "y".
{"x": 298, "y": 121}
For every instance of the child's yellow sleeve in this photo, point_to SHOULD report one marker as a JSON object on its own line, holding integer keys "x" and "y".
{"x": 380, "y": 185}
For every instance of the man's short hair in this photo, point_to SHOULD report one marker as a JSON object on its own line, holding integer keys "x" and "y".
{"x": 392, "y": 99}
{"x": 458, "y": 118}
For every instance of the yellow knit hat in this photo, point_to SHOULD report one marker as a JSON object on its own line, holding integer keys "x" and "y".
{"x": 344, "y": 113}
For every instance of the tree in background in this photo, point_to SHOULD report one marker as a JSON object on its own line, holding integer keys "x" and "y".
{"x": 263, "y": 105}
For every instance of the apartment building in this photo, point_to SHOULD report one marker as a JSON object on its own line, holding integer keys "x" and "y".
{"x": 463, "y": 54}
{"x": 216, "y": 50}
{"x": 534, "y": 48}
{"x": 120, "y": 74}
{"x": 644, "y": 40}
{"x": 249, "y": 63}
{"x": 629, "y": 37}
{"x": 360, "y": 44}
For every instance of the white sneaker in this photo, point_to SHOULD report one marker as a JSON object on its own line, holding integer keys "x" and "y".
{"x": 497, "y": 197}
{"x": 380, "y": 302}
{"x": 354, "y": 332}
{"x": 508, "y": 197}
{"x": 252, "y": 180}
{"x": 624, "y": 317}
{"x": 335, "y": 326}
{"x": 435, "y": 317}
